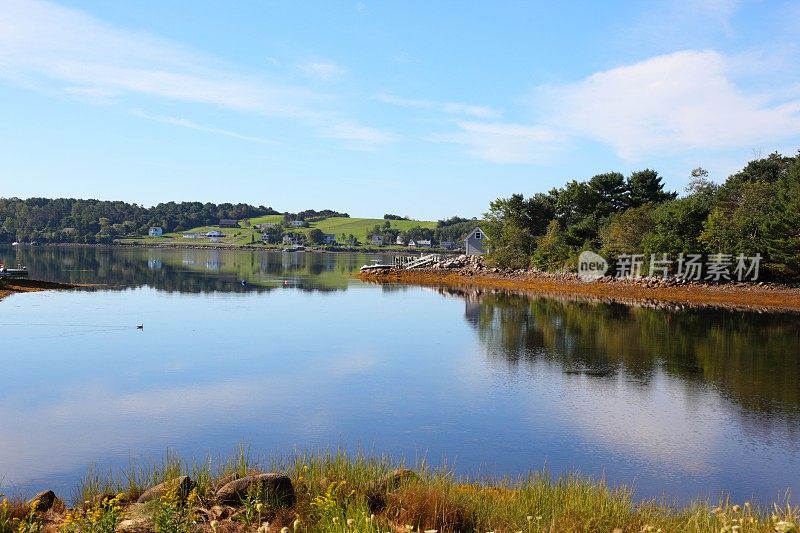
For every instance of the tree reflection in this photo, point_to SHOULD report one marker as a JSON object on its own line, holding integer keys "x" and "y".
{"x": 752, "y": 358}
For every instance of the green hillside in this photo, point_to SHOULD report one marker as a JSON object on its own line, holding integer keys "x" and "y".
{"x": 359, "y": 227}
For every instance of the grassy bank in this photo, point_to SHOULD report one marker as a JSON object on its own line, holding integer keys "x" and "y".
{"x": 334, "y": 493}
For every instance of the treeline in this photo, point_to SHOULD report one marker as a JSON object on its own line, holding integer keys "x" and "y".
{"x": 95, "y": 221}
{"x": 755, "y": 211}
{"x": 453, "y": 230}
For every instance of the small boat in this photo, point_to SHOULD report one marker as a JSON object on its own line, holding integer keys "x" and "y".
{"x": 15, "y": 243}
{"x": 375, "y": 266}
{"x": 298, "y": 248}
{"x": 14, "y": 272}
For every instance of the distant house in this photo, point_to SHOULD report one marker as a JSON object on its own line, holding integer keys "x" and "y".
{"x": 297, "y": 223}
{"x": 412, "y": 243}
{"x": 265, "y": 238}
{"x": 289, "y": 238}
{"x": 190, "y": 235}
{"x": 399, "y": 241}
{"x": 156, "y": 232}
{"x": 447, "y": 245}
{"x": 424, "y": 243}
{"x": 377, "y": 240}
{"x": 228, "y": 223}
{"x": 328, "y": 238}
{"x": 475, "y": 242}
{"x": 214, "y": 233}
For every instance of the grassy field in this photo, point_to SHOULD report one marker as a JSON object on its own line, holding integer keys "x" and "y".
{"x": 359, "y": 227}
{"x": 337, "y": 493}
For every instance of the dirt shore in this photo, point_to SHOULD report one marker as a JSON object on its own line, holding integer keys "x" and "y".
{"x": 766, "y": 297}
{"x": 12, "y": 286}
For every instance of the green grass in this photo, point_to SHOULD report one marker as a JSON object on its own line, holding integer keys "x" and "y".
{"x": 338, "y": 493}
{"x": 243, "y": 236}
{"x": 361, "y": 226}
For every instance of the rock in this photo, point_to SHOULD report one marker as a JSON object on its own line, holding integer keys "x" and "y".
{"x": 183, "y": 483}
{"x": 136, "y": 520}
{"x": 274, "y": 489}
{"x": 42, "y": 502}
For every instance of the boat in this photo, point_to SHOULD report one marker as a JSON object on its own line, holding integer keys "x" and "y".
{"x": 376, "y": 266}
{"x": 14, "y": 272}
{"x": 15, "y": 243}
{"x": 298, "y": 248}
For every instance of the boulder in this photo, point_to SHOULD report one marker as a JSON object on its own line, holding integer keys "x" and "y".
{"x": 42, "y": 502}
{"x": 273, "y": 489}
{"x": 183, "y": 483}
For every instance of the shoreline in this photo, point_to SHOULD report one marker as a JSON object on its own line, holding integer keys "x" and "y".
{"x": 334, "y": 492}
{"x": 257, "y": 247}
{"x": 21, "y": 285}
{"x": 758, "y": 297}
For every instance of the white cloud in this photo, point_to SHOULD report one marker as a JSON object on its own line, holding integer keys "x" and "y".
{"x": 64, "y": 51}
{"x": 667, "y": 104}
{"x": 321, "y": 70}
{"x": 451, "y": 108}
{"x": 505, "y": 143}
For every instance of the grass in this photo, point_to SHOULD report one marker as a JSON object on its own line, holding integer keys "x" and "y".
{"x": 243, "y": 236}
{"x": 337, "y": 493}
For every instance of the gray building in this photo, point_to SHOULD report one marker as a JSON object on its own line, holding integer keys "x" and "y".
{"x": 475, "y": 243}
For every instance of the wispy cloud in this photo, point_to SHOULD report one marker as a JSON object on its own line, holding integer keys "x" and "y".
{"x": 356, "y": 136}
{"x": 506, "y": 143}
{"x": 186, "y": 123}
{"x": 452, "y": 108}
{"x": 65, "y": 51}
{"x": 670, "y": 103}
{"x": 321, "y": 70}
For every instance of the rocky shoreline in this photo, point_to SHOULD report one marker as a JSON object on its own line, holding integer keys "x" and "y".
{"x": 474, "y": 272}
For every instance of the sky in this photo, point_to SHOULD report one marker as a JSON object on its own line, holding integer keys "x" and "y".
{"x": 417, "y": 108}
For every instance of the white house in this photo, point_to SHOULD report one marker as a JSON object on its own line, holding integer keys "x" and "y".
{"x": 328, "y": 238}
{"x": 214, "y": 233}
{"x": 377, "y": 240}
{"x": 399, "y": 241}
{"x": 424, "y": 243}
{"x": 475, "y": 242}
{"x": 412, "y": 243}
{"x": 156, "y": 232}
{"x": 288, "y": 239}
{"x": 297, "y": 223}
{"x": 265, "y": 238}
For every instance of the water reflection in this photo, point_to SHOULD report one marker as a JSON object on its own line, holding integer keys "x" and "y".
{"x": 752, "y": 358}
{"x": 494, "y": 382}
{"x": 187, "y": 270}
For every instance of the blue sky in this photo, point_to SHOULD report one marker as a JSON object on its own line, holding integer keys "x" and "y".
{"x": 427, "y": 109}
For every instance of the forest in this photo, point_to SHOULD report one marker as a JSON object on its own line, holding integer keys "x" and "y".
{"x": 97, "y": 222}
{"x": 754, "y": 211}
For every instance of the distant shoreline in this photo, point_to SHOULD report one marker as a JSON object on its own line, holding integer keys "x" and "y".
{"x": 254, "y": 247}
{"x": 759, "y": 297}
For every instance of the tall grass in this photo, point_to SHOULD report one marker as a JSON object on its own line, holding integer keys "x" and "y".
{"x": 336, "y": 492}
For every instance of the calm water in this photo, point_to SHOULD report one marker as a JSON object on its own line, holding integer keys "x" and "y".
{"x": 688, "y": 404}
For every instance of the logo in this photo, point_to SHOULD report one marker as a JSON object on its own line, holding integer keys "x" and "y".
{"x": 591, "y": 266}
